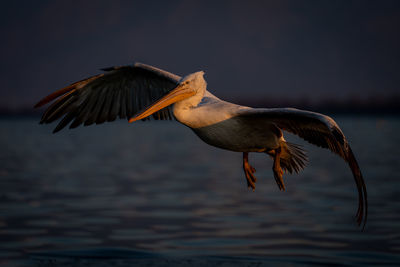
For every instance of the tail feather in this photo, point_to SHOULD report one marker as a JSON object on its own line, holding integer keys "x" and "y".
{"x": 293, "y": 157}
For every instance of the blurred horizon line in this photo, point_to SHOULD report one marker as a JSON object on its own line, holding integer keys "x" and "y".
{"x": 350, "y": 105}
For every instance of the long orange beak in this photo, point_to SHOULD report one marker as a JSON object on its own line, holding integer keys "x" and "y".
{"x": 177, "y": 94}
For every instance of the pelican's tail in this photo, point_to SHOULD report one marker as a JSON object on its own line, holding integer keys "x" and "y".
{"x": 293, "y": 157}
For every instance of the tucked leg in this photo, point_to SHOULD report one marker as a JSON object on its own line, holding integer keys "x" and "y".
{"x": 249, "y": 171}
{"x": 278, "y": 173}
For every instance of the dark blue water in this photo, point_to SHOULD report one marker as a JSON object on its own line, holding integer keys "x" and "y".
{"x": 153, "y": 194}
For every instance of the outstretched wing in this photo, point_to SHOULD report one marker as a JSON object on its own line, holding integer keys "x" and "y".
{"x": 119, "y": 92}
{"x": 319, "y": 130}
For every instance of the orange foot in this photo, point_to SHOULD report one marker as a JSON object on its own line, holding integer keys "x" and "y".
{"x": 278, "y": 174}
{"x": 249, "y": 172}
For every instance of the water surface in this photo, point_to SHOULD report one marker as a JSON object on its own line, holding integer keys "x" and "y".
{"x": 154, "y": 194}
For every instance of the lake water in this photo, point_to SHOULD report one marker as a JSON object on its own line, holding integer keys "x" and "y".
{"x": 153, "y": 194}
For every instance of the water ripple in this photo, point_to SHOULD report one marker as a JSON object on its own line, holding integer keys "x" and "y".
{"x": 155, "y": 195}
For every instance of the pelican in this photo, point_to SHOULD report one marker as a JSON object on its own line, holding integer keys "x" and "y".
{"x": 140, "y": 91}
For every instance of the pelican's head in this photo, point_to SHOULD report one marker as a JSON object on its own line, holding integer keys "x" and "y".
{"x": 189, "y": 92}
{"x": 194, "y": 80}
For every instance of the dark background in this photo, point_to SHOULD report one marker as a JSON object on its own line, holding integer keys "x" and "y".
{"x": 263, "y": 53}
{"x": 143, "y": 194}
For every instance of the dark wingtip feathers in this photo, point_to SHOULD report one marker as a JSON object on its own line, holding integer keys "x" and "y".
{"x": 345, "y": 151}
{"x": 362, "y": 211}
{"x": 65, "y": 90}
{"x": 54, "y": 95}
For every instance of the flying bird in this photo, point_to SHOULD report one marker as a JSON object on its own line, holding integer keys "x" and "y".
{"x": 140, "y": 92}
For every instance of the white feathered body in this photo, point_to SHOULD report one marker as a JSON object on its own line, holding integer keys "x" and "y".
{"x": 218, "y": 123}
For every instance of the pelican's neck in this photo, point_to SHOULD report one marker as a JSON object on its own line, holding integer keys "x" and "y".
{"x": 189, "y": 102}
{"x": 183, "y": 109}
